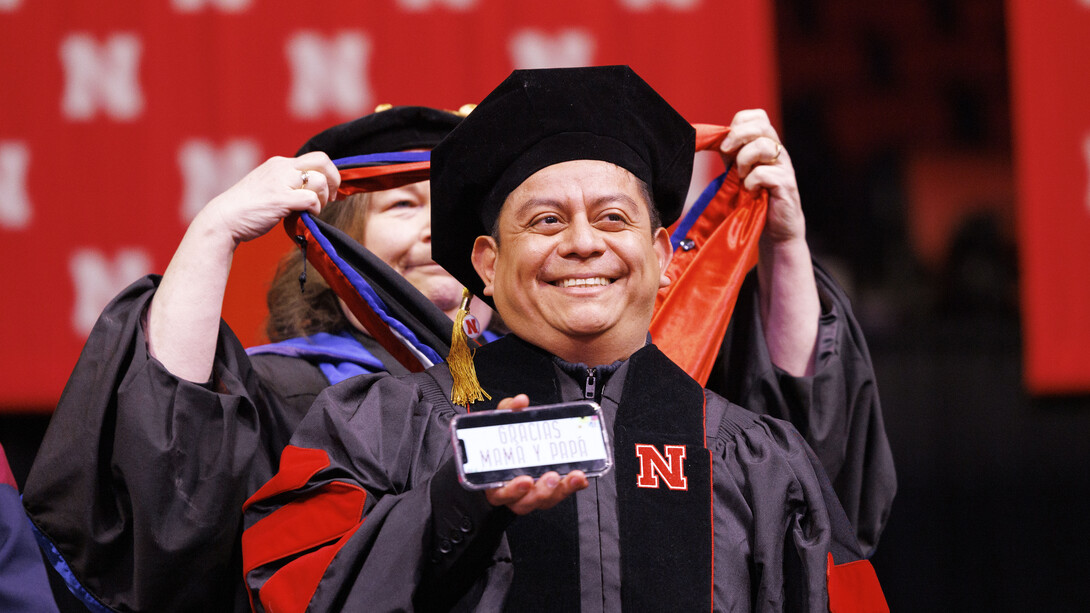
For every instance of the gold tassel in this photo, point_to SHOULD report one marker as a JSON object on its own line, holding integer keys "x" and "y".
{"x": 467, "y": 389}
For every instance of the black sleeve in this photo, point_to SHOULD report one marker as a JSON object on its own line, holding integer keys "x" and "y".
{"x": 837, "y": 409}
{"x": 369, "y": 469}
{"x": 774, "y": 502}
{"x": 141, "y": 476}
{"x": 466, "y": 532}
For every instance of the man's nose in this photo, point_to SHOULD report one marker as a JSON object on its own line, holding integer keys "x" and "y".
{"x": 581, "y": 239}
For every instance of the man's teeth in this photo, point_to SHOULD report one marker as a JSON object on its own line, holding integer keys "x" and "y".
{"x": 583, "y": 282}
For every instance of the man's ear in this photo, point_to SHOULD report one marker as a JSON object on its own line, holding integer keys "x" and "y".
{"x": 485, "y": 251}
{"x": 665, "y": 252}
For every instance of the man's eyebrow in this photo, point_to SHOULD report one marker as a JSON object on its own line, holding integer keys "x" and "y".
{"x": 603, "y": 199}
{"x": 620, "y": 197}
{"x": 521, "y": 209}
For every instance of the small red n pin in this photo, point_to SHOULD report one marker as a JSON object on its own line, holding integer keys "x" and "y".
{"x": 471, "y": 326}
{"x": 653, "y": 465}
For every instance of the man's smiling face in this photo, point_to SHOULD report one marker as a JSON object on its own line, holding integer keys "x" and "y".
{"x": 577, "y": 266}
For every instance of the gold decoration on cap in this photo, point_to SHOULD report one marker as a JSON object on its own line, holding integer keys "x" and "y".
{"x": 462, "y": 111}
{"x": 466, "y": 389}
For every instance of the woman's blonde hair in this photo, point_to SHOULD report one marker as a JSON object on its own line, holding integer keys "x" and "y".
{"x": 316, "y": 308}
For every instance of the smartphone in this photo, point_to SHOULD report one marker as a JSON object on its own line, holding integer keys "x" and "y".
{"x": 493, "y": 447}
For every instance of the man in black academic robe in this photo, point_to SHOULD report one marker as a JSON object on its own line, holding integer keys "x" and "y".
{"x": 556, "y": 189}
{"x": 139, "y": 483}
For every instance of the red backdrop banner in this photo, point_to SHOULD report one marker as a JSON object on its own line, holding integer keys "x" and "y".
{"x": 119, "y": 119}
{"x": 1050, "y": 61}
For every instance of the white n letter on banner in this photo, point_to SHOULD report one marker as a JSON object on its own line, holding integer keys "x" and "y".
{"x": 534, "y": 49}
{"x": 15, "y": 211}
{"x": 207, "y": 172}
{"x": 97, "y": 280}
{"x": 101, "y": 76}
{"x": 227, "y": 6}
{"x": 643, "y": 5}
{"x": 328, "y": 74}
{"x": 416, "y": 6}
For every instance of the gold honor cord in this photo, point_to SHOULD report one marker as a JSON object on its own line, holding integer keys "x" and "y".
{"x": 466, "y": 389}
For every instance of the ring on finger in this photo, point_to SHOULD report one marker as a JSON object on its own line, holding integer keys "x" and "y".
{"x": 779, "y": 149}
{"x": 306, "y": 179}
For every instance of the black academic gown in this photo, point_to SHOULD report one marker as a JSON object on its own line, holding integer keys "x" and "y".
{"x": 837, "y": 409}
{"x": 371, "y": 467}
{"x": 140, "y": 480}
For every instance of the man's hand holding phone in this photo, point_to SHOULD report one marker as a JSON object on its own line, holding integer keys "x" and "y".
{"x": 522, "y": 493}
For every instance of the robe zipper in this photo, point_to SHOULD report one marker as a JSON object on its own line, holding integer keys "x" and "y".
{"x": 589, "y": 388}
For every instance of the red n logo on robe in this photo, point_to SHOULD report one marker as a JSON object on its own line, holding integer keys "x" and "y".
{"x": 653, "y": 465}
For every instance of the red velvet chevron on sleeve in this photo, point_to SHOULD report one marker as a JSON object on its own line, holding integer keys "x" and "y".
{"x": 297, "y": 466}
{"x": 854, "y": 588}
{"x": 324, "y": 515}
{"x": 292, "y": 587}
{"x": 303, "y": 536}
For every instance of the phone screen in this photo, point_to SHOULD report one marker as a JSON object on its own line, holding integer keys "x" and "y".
{"x": 493, "y": 447}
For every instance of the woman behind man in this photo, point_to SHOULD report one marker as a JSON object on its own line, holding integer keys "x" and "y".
{"x": 166, "y": 425}
{"x": 393, "y": 224}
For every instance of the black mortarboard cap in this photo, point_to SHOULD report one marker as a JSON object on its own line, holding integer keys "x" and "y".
{"x": 397, "y": 128}
{"x": 537, "y": 118}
